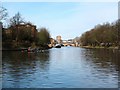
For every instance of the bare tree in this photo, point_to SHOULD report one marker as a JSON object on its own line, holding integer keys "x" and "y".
{"x": 3, "y": 13}
{"x": 16, "y": 20}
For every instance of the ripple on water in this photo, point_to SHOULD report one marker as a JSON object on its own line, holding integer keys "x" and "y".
{"x": 67, "y": 67}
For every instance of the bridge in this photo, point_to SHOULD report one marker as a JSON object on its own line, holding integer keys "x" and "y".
{"x": 66, "y": 44}
{"x": 63, "y": 42}
{"x": 69, "y": 43}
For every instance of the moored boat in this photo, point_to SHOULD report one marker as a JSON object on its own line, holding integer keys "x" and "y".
{"x": 57, "y": 46}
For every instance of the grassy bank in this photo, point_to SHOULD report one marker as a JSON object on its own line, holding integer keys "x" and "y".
{"x": 100, "y": 47}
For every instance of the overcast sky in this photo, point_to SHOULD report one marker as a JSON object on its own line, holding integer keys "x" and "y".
{"x": 68, "y": 19}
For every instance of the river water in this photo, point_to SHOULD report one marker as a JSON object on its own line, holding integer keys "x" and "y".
{"x": 66, "y": 67}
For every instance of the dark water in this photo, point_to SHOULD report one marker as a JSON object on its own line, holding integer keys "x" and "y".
{"x": 67, "y": 67}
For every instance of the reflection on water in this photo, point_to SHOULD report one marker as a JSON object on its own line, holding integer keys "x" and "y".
{"x": 69, "y": 67}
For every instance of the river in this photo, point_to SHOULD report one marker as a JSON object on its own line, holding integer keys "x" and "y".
{"x": 66, "y": 67}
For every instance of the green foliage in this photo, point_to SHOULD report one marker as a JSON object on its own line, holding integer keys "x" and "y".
{"x": 33, "y": 45}
{"x": 43, "y": 37}
{"x": 106, "y": 33}
{"x": 23, "y": 34}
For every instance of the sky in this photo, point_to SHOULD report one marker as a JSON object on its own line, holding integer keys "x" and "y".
{"x": 68, "y": 19}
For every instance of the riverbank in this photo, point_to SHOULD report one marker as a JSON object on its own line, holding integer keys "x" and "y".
{"x": 24, "y": 49}
{"x": 99, "y": 47}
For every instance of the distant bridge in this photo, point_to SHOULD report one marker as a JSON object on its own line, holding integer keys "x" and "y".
{"x": 67, "y": 44}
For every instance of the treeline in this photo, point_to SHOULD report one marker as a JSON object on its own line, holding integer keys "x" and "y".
{"x": 22, "y": 34}
{"x": 107, "y": 34}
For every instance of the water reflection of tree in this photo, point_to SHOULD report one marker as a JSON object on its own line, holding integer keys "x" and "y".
{"x": 103, "y": 58}
{"x": 22, "y": 65}
{"x": 18, "y": 65}
{"x": 43, "y": 60}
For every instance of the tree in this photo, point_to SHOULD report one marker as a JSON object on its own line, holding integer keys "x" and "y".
{"x": 118, "y": 31}
{"x": 107, "y": 33}
{"x": 43, "y": 37}
{"x": 16, "y": 20}
{"x": 3, "y": 13}
{"x": 3, "y": 16}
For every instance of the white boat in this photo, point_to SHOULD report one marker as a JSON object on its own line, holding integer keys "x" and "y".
{"x": 57, "y": 46}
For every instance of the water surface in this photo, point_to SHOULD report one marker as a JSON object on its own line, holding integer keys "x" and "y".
{"x": 66, "y": 67}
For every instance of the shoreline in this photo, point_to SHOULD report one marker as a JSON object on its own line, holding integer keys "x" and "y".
{"x": 21, "y": 49}
{"x": 98, "y": 47}
{"x": 87, "y": 47}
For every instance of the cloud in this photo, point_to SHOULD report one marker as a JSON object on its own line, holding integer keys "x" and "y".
{"x": 66, "y": 19}
{"x": 83, "y": 20}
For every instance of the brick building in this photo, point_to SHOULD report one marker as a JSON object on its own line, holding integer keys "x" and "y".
{"x": 29, "y": 27}
{"x": 59, "y": 39}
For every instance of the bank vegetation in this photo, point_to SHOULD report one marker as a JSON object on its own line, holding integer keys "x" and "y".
{"x": 22, "y": 34}
{"x": 105, "y": 35}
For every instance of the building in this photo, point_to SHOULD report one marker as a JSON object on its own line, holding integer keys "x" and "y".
{"x": 59, "y": 39}
{"x": 32, "y": 28}
{"x": 18, "y": 28}
{"x": 52, "y": 42}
